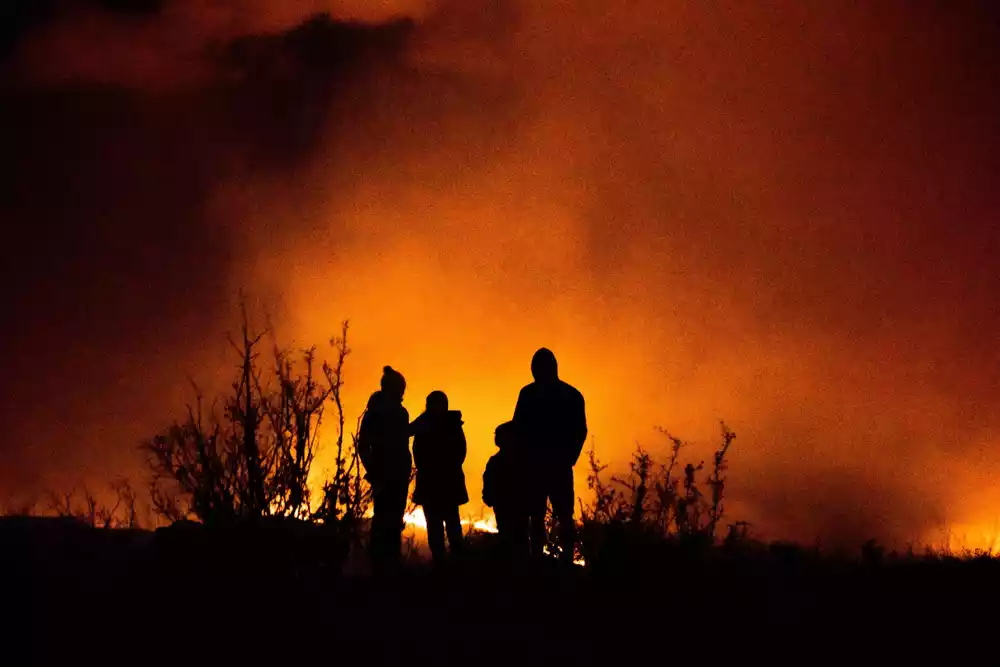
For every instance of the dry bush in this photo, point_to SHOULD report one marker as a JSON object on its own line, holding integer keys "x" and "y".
{"x": 652, "y": 503}
{"x": 251, "y": 458}
{"x": 86, "y": 508}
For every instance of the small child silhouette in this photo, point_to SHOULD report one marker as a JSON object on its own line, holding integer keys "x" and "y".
{"x": 501, "y": 492}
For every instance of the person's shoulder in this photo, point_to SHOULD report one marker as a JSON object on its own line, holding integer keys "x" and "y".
{"x": 570, "y": 390}
{"x": 528, "y": 390}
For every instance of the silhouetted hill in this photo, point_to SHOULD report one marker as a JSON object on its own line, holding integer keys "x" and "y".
{"x": 250, "y": 591}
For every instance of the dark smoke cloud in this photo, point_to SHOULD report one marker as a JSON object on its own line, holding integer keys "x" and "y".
{"x": 157, "y": 44}
{"x": 114, "y": 275}
{"x": 783, "y": 215}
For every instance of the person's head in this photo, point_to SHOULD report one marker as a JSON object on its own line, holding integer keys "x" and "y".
{"x": 543, "y": 366}
{"x": 504, "y": 434}
{"x": 393, "y": 383}
{"x": 437, "y": 402}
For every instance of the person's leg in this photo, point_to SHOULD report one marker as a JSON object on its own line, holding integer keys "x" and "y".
{"x": 561, "y": 494}
{"x": 536, "y": 527}
{"x": 395, "y": 534}
{"x": 504, "y": 530}
{"x": 377, "y": 541}
{"x": 536, "y": 502}
{"x": 435, "y": 531}
{"x": 387, "y": 526}
{"x": 453, "y": 523}
{"x": 512, "y": 523}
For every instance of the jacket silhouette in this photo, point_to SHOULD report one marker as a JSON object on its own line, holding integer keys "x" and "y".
{"x": 504, "y": 490}
{"x": 550, "y": 415}
{"x": 385, "y": 426}
{"x": 500, "y": 479}
{"x": 384, "y": 443}
{"x": 551, "y": 424}
{"x": 439, "y": 450}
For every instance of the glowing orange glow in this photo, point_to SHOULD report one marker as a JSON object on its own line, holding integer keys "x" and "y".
{"x": 652, "y": 227}
{"x": 418, "y": 523}
{"x": 417, "y": 520}
{"x": 959, "y": 538}
{"x": 742, "y": 212}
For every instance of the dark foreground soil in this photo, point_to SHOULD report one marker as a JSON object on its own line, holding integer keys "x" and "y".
{"x": 129, "y": 600}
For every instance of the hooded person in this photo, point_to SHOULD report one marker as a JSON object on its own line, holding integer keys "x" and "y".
{"x": 439, "y": 449}
{"x": 551, "y": 422}
{"x": 384, "y": 447}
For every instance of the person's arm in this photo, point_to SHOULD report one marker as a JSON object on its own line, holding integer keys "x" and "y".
{"x": 418, "y": 453}
{"x": 489, "y": 482}
{"x": 404, "y": 430}
{"x": 521, "y": 408}
{"x": 579, "y": 427}
{"x": 463, "y": 447}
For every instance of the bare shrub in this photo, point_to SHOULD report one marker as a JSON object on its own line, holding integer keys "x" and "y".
{"x": 89, "y": 510}
{"x": 652, "y": 501}
{"x": 252, "y": 458}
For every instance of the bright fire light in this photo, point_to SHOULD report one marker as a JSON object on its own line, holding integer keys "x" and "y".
{"x": 416, "y": 519}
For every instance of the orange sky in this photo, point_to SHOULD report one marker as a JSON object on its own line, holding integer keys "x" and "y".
{"x": 782, "y": 216}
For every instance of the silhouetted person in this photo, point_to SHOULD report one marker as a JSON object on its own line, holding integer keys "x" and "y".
{"x": 385, "y": 449}
{"x": 504, "y": 490}
{"x": 551, "y": 420}
{"x": 438, "y": 452}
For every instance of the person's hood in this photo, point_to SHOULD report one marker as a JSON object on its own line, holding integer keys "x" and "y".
{"x": 426, "y": 420}
{"x": 379, "y": 400}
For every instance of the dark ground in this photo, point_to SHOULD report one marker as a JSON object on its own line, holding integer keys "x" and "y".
{"x": 72, "y": 594}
